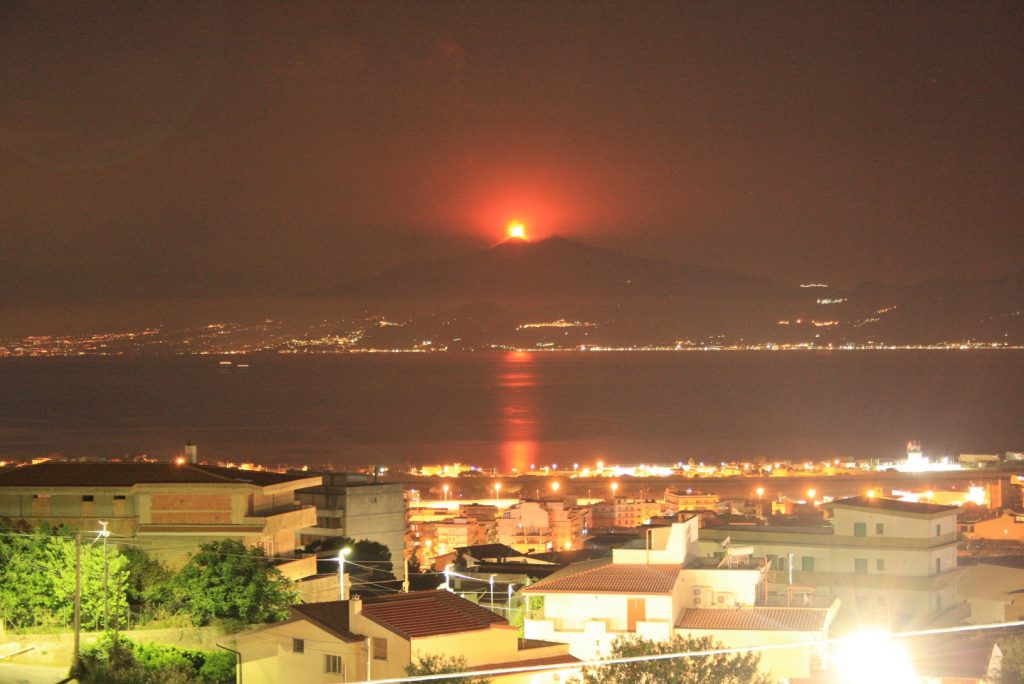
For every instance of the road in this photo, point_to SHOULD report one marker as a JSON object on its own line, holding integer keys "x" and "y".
{"x": 15, "y": 673}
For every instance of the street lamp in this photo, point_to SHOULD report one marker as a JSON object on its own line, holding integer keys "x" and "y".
{"x": 341, "y": 570}
{"x": 554, "y": 486}
{"x": 497, "y": 490}
{"x": 811, "y": 493}
{"x": 615, "y": 488}
{"x": 445, "y": 488}
{"x": 760, "y": 492}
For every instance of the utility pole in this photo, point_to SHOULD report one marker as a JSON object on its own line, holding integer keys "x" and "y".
{"x": 106, "y": 591}
{"x": 78, "y": 602}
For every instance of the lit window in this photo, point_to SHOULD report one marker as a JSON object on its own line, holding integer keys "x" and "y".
{"x": 333, "y": 665}
{"x": 298, "y": 646}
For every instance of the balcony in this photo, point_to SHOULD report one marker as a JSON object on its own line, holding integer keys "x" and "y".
{"x": 284, "y": 518}
{"x": 300, "y": 567}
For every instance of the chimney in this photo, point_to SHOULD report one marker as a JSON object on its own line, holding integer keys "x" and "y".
{"x": 190, "y": 453}
{"x": 355, "y": 606}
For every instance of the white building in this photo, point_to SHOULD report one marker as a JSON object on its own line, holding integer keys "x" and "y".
{"x": 891, "y": 563}
{"x": 661, "y": 587}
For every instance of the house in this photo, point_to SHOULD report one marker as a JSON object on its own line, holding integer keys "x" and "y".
{"x": 892, "y": 563}
{"x": 168, "y": 508}
{"x": 378, "y": 637}
{"x": 660, "y": 587}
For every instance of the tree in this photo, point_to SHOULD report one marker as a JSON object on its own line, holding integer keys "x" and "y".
{"x": 438, "y": 664}
{"x": 725, "y": 668}
{"x": 1011, "y": 667}
{"x": 37, "y": 579}
{"x": 148, "y": 581}
{"x": 225, "y": 580}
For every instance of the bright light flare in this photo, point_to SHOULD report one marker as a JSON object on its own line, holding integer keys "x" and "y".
{"x": 516, "y": 231}
{"x": 873, "y": 657}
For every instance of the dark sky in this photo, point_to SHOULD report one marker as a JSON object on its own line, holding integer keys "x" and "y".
{"x": 273, "y": 147}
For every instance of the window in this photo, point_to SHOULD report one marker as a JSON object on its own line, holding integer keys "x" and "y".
{"x": 938, "y": 530}
{"x": 880, "y": 565}
{"x": 298, "y": 646}
{"x": 860, "y": 566}
{"x": 333, "y": 665}
{"x": 938, "y": 566}
{"x": 380, "y": 648}
{"x": 120, "y": 497}
{"x": 779, "y": 563}
{"x": 87, "y": 497}
{"x": 879, "y": 529}
{"x": 860, "y": 529}
{"x": 807, "y": 563}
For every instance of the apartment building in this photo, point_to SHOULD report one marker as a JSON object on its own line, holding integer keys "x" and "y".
{"x": 892, "y": 563}
{"x": 540, "y": 525}
{"x": 169, "y": 508}
{"x": 624, "y": 512}
{"x": 360, "y": 507}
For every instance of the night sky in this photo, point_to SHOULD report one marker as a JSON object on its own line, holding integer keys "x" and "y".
{"x": 170, "y": 149}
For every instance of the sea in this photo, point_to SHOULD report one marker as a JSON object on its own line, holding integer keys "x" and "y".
{"x": 512, "y": 409}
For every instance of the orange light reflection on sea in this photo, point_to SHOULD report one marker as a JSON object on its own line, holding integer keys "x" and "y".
{"x": 517, "y": 377}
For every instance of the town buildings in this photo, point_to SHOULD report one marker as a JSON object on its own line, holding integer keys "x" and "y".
{"x": 893, "y": 564}
{"x": 660, "y": 586}
{"x": 544, "y": 524}
{"x": 379, "y": 637}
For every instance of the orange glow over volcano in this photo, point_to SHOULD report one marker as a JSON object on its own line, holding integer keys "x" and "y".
{"x": 516, "y": 231}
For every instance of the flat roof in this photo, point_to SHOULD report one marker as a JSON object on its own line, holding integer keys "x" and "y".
{"x": 892, "y": 505}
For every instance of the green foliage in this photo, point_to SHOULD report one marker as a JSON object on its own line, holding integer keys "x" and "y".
{"x": 739, "y": 668}
{"x": 148, "y": 579}
{"x": 532, "y": 605}
{"x": 437, "y": 664}
{"x": 224, "y": 580}
{"x": 1011, "y": 668}
{"x": 37, "y": 579}
{"x": 116, "y": 660}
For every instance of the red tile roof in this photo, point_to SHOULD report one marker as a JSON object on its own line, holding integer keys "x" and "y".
{"x": 428, "y": 613}
{"x": 892, "y": 505}
{"x": 63, "y": 474}
{"x": 755, "y": 618}
{"x": 331, "y": 616}
{"x": 620, "y": 578}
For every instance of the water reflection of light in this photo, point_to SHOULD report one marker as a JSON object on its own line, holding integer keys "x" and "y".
{"x": 517, "y": 377}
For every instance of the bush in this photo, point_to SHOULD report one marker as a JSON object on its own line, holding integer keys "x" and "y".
{"x": 116, "y": 660}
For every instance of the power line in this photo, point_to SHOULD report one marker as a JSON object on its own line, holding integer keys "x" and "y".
{"x": 686, "y": 654}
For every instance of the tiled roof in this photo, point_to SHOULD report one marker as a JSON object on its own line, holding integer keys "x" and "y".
{"x": 754, "y": 618}
{"x": 62, "y": 474}
{"x": 611, "y": 578}
{"x": 891, "y": 505}
{"x": 331, "y": 616}
{"x": 428, "y": 613}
